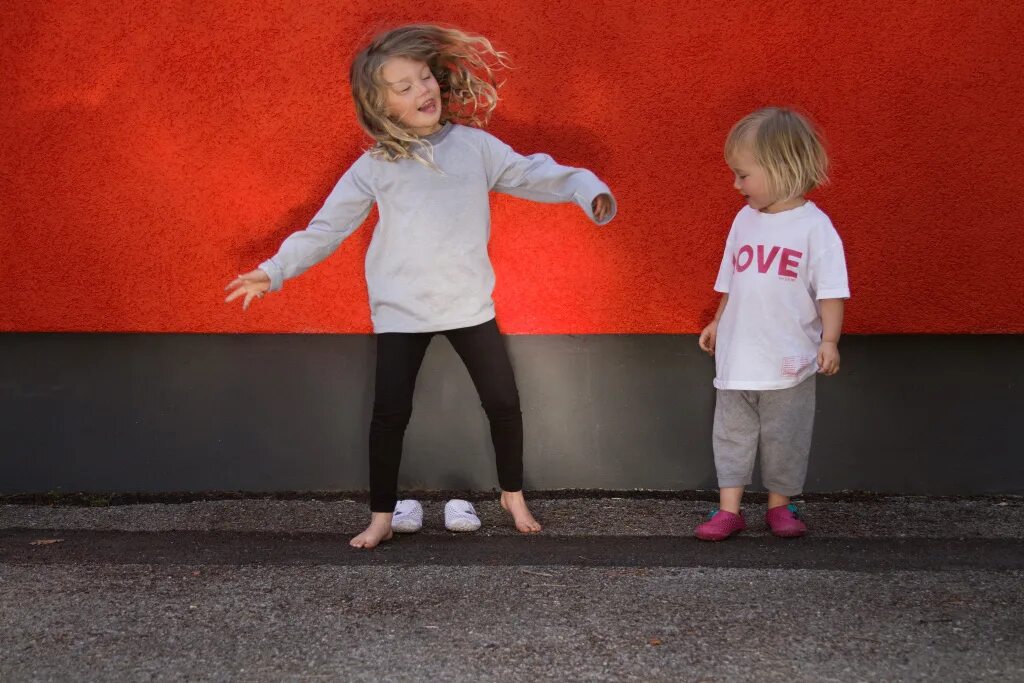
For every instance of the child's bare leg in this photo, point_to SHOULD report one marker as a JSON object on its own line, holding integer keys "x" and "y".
{"x": 729, "y": 499}
{"x": 379, "y": 530}
{"x": 515, "y": 503}
{"x": 777, "y": 500}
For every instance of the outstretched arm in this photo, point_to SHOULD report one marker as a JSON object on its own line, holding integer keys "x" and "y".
{"x": 344, "y": 210}
{"x": 539, "y": 178}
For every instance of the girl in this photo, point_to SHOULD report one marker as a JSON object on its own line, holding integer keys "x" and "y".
{"x": 422, "y": 92}
{"x": 783, "y": 282}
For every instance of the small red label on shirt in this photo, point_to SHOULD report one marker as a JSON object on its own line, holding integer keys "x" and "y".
{"x": 794, "y": 365}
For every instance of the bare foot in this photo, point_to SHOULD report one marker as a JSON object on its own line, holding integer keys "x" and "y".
{"x": 516, "y": 505}
{"x": 379, "y": 530}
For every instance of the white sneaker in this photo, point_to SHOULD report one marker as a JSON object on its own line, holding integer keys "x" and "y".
{"x": 459, "y": 515}
{"x": 408, "y": 517}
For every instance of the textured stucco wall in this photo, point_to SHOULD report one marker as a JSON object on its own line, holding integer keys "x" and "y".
{"x": 150, "y": 150}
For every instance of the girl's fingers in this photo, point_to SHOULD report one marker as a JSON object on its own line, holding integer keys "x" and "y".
{"x": 249, "y": 294}
{"x": 242, "y": 280}
{"x": 254, "y": 277}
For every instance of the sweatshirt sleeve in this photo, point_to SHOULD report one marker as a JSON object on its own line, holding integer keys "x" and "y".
{"x": 345, "y": 209}
{"x": 537, "y": 177}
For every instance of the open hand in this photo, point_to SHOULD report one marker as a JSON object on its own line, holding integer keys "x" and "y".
{"x": 828, "y": 358}
{"x": 708, "y": 337}
{"x": 253, "y": 285}
{"x": 602, "y": 206}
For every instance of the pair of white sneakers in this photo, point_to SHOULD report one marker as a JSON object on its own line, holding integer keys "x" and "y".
{"x": 459, "y": 515}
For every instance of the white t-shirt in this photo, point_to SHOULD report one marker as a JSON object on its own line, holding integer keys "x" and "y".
{"x": 775, "y": 269}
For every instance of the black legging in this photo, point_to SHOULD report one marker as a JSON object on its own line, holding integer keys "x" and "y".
{"x": 399, "y": 356}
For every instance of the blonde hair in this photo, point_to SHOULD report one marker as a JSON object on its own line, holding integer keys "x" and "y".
{"x": 463, "y": 64}
{"x": 786, "y": 145}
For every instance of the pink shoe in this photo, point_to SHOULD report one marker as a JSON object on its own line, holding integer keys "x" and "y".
{"x": 784, "y": 521}
{"x": 720, "y": 526}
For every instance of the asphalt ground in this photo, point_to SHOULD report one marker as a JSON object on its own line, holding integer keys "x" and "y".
{"x": 616, "y": 588}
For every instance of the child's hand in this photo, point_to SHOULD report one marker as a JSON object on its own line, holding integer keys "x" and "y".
{"x": 828, "y": 358}
{"x": 708, "y": 337}
{"x": 602, "y": 206}
{"x": 253, "y": 285}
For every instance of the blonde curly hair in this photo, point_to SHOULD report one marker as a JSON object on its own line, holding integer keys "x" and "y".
{"x": 463, "y": 64}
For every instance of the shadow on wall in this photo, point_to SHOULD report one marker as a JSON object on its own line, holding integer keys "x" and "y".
{"x": 568, "y": 145}
{"x": 263, "y": 246}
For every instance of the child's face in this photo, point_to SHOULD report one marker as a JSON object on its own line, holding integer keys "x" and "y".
{"x": 750, "y": 180}
{"x": 413, "y": 95}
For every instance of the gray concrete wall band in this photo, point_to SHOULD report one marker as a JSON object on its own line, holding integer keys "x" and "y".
{"x": 157, "y": 413}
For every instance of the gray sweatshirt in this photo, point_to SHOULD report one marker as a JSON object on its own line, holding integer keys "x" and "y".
{"x": 427, "y": 267}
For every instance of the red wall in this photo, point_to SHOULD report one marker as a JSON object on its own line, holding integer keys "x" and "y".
{"x": 151, "y": 150}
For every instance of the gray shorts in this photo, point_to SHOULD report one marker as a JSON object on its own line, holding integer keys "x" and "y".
{"x": 778, "y": 423}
